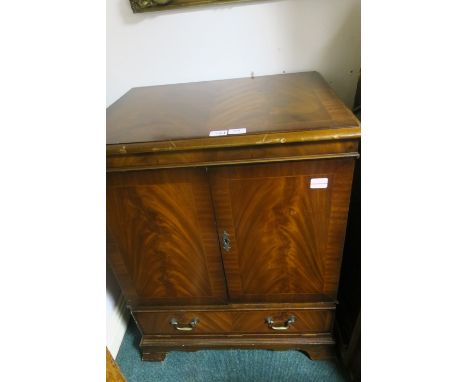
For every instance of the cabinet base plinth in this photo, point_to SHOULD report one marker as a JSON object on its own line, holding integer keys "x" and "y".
{"x": 153, "y": 356}
{"x": 155, "y": 348}
{"x": 319, "y": 352}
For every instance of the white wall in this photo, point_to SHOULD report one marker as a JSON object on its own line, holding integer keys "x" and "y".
{"x": 116, "y": 314}
{"x": 227, "y": 42}
{"x": 232, "y": 41}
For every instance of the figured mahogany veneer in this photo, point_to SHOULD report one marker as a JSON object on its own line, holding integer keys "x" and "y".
{"x": 286, "y": 239}
{"x": 221, "y": 242}
{"x": 186, "y": 113}
{"x": 235, "y": 321}
{"x": 164, "y": 225}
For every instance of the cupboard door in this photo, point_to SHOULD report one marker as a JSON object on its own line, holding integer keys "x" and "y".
{"x": 163, "y": 224}
{"x": 281, "y": 227}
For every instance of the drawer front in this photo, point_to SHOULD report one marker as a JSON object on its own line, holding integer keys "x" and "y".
{"x": 236, "y": 322}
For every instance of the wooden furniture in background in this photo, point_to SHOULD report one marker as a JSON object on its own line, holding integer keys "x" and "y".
{"x": 234, "y": 239}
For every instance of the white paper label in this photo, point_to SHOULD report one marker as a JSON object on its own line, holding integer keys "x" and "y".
{"x": 217, "y": 133}
{"x": 237, "y": 131}
{"x": 319, "y": 183}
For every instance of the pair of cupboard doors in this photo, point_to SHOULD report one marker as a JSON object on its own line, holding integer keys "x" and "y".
{"x": 251, "y": 233}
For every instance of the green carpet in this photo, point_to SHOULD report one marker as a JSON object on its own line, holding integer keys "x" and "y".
{"x": 223, "y": 365}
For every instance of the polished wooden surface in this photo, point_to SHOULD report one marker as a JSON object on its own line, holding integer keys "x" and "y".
{"x": 286, "y": 238}
{"x": 234, "y": 155}
{"x": 172, "y": 192}
{"x": 284, "y": 102}
{"x": 235, "y": 321}
{"x": 164, "y": 225}
{"x": 323, "y": 304}
{"x": 113, "y": 373}
{"x": 316, "y": 346}
{"x": 235, "y": 141}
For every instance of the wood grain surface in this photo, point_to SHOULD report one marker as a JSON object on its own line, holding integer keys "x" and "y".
{"x": 113, "y": 373}
{"x": 235, "y": 321}
{"x": 286, "y": 238}
{"x": 284, "y": 102}
{"x": 234, "y": 155}
{"x": 172, "y": 192}
{"x": 164, "y": 225}
{"x": 316, "y": 346}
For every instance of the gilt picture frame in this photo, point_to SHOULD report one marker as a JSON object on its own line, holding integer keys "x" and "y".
{"x": 139, "y": 6}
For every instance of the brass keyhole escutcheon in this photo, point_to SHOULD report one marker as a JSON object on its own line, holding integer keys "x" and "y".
{"x": 226, "y": 242}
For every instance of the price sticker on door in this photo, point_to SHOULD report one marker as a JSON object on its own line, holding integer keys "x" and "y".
{"x": 319, "y": 183}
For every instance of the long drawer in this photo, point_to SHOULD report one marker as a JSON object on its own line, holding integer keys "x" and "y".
{"x": 238, "y": 321}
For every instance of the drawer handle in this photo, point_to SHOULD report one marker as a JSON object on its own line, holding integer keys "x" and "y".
{"x": 226, "y": 242}
{"x": 287, "y": 324}
{"x": 184, "y": 327}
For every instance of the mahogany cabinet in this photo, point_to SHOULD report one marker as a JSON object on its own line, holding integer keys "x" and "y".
{"x": 227, "y": 205}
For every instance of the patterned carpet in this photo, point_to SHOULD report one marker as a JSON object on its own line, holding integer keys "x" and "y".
{"x": 223, "y": 365}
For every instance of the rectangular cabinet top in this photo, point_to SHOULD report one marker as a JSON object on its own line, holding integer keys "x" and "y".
{"x": 289, "y": 107}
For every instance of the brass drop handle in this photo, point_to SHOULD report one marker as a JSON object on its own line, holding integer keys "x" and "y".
{"x": 226, "y": 242}
{"x": 184, "y": 327}
{"x": 286, "y": 325}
